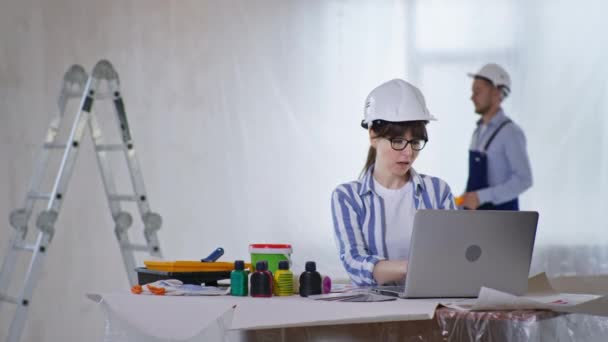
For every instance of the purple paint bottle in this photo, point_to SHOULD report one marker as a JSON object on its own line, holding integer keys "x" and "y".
{"x": 261, "y": 280}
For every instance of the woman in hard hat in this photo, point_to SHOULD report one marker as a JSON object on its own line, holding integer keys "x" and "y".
{"x": 373, "y": 216}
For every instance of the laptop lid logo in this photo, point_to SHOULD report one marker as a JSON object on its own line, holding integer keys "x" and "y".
{"x": 473, "y": 253}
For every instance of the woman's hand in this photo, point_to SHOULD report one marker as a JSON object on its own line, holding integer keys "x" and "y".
{"x": 387, "y": 271}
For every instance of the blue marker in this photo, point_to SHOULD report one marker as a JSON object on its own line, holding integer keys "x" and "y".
{"x": 216, "y": 254}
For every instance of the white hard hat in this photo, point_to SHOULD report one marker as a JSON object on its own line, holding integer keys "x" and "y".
{"x": 395, "y": 101}
{"x": 495, "y": 74}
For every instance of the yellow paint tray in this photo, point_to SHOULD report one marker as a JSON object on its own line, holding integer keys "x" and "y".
{"x": 190, "y": 266}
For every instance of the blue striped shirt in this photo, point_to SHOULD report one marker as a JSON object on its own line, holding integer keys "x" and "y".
{"x": 509, "y": 171}
{"x": 360, "y": 225}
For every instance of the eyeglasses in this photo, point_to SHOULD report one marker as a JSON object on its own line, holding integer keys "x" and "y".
{"x": 399, "y": 144}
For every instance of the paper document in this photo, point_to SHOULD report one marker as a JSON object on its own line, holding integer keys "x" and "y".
{"x": 174, "y": 287}
{"x": 540, "y": 296}
{"x": 361, "y": 295}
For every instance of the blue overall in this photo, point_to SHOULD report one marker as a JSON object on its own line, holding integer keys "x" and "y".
{"x": 478, "y": 175}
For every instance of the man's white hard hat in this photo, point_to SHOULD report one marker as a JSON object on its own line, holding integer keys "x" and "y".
{"x": 395, "y": 101}
{"x": 496, "y": 74}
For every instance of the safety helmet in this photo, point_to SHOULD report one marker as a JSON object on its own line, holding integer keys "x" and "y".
{"x": 395, "y": 101}
{"x": 496, "y": 75}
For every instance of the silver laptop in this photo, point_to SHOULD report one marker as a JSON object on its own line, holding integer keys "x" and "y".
{"x": 453, "y": 253}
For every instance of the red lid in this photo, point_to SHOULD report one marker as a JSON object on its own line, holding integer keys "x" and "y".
{"x": 269, "y": 245}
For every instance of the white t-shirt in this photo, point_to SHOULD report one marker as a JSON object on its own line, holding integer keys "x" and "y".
{"x": 399, "y": 213}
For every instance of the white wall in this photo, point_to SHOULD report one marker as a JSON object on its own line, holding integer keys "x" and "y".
{"x": 245, "y": 115}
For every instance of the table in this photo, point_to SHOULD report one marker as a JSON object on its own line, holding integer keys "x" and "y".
{"x": 232, "y": 319}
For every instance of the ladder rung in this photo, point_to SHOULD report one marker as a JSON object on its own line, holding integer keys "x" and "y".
{"x": 103, "y": 96}
{"x": 25, "y": 247}
{"x": 38, "y": 195}
{"x": 55, "y": 146}
{"x": 110, "y": 147}
{"x": 9, "y": 299}
{"x": 139, "y": 248}
{"x": 131, "y": 198}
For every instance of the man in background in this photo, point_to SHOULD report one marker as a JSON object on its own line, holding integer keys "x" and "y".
{"x": 499, "y": 167}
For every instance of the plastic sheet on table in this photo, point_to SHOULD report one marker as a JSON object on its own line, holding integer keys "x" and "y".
{"x": 520, "y": 325}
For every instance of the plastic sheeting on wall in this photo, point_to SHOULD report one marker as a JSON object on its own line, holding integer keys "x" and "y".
{"x": 246, "y": 116}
